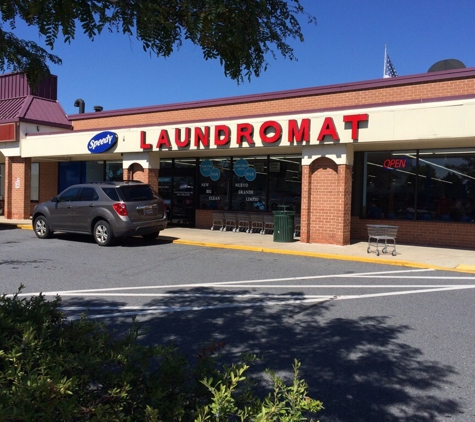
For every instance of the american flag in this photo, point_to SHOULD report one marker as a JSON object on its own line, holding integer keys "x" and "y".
{"x": 389, "y": 71}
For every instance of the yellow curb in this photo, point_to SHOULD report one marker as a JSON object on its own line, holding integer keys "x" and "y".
{"x": 466, "y": 268}
{"x": 460, "y": 268}
{"x": 25, "y": 226}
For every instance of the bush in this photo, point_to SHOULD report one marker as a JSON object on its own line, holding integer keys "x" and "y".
{"x": 52, "y": 369}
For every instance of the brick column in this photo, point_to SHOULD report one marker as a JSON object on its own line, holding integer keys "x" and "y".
{"x": 137, "y": 172}
{"x": 17, "y": 187}
{"x": 326, "y": 202}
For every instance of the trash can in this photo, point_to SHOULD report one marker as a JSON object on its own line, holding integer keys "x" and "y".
{"x": 284, "y": 224}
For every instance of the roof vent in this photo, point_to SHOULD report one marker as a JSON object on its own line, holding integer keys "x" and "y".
{"x": 447, "y": 64}
{"x": 81, "y": 104}
{"x": 98, "y": 108}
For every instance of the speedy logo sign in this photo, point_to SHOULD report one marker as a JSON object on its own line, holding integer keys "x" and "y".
{"x": 102, "y": 142}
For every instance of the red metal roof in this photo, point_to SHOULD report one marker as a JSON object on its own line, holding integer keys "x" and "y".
{"x": 9, "y": 109}
{"x": 15, "y": 85}
{"x": 35, "y": 110}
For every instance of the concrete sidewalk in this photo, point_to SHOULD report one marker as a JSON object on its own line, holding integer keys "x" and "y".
{"x": 407, "y": 255}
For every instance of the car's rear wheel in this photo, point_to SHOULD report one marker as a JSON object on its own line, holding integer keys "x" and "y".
{"x": 150, "y": 236}
{"x": 41, "y": 227}
{"x": 103, "y": 233}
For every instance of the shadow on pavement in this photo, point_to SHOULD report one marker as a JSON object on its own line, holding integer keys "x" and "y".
{"x": 360, "y": 368}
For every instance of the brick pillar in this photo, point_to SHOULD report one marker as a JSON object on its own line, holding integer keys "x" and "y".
{"x": 17, "y": 187}
{"x": 137, "y": 172}
{"x": 326, "y": 202}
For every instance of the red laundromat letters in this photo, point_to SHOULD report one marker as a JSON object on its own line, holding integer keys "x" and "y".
{"x": 269, "y": 132}
{"x": 297, "y": 133}
{"x": 271, "y": 124}
{"x": 185, "y": 142}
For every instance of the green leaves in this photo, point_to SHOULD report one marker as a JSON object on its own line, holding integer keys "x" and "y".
{"x": 242, "y": 34}
{"x": 52, "y": 369}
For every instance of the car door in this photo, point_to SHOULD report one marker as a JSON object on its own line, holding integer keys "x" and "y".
{"x": 62, "y": 213}
{"x": 84, "y": 207}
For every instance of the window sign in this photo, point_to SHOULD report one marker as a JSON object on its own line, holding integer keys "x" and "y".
{"x": 214, "y": 174}
{"x": 214, "y": 184}
{"x": 206, "y": 167}
{"x": 250, "y": 174}
{"x": 240, "y": 167}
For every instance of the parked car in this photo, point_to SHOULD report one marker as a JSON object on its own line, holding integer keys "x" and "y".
{"x": 107, "y": 210}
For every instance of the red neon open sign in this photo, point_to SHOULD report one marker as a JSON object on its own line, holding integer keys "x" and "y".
{"x": 394, "y": 163}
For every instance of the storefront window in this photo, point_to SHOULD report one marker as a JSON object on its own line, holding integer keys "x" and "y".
{"x": 249, "y": 184}
{"x": 114, "y": 171}
{"x": 94, "y": 171}
{"x": 285, "y": 182}
{"x": 214, "y": 179}
{"x": 2, "y": 181}
{"x": 74, "y": 172}
{"x": 35, "y": 181}
{"x": 423, "y": 185}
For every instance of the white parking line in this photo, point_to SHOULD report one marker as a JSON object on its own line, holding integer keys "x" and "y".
{"x": 123, "y": 311}
{"x": 249, "y": 300}
{"x": 230, "y": 283}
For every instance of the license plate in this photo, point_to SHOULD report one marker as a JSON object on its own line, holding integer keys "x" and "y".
{"x": 148, "y": 211}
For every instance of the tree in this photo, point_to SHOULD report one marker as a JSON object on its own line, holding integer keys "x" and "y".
{"x": 240, "y": 33}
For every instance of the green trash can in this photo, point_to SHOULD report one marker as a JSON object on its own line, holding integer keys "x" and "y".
{"x": 284, "y": 224}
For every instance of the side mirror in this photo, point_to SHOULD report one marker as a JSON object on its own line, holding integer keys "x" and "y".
{"x": 54, "y": 199}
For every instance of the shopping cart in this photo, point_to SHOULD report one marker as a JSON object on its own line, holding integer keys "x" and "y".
{"x": 297, "y": 226}
{"x": 257, "y": 222}
{"x": 218, "y": 221}
{"x": 230, "y": 221}
{"x": 243, "y": 222}
{"x": 268, "y": 224}
{"x": 379, "y": 233}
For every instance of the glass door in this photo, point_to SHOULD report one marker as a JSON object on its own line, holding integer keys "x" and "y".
{"x": 177, "y": 188}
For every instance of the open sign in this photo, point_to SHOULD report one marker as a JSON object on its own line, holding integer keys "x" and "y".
{"x": 395, "y": 163}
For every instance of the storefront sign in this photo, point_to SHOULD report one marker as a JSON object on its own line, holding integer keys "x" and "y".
{"x": 242, "y": 134}
{"x": 394, "y": 163}
{"x": 7, "y": 132}
{"x": 102, "y": 142}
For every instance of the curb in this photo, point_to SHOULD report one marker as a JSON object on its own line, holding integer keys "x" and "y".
{"x": 470, "y": 269}
{"x": 25, "y": 226}
{"x": 460, "y": 268}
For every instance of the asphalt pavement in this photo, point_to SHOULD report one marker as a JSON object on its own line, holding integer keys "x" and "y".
{"x": 462, "y": 260}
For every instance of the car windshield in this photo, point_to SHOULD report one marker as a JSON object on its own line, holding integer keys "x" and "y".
{"x": 136, "y": 193}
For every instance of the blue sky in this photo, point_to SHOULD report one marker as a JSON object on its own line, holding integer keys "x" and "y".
{"x": 346, "y": 45}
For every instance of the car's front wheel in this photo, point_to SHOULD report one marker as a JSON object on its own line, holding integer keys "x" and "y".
{"x": 103, "y": 233}
{"x": 41, "y": 227}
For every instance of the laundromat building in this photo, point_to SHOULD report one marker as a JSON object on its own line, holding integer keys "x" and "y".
{"x": 397, "y": 151}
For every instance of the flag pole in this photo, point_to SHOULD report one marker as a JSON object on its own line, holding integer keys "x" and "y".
{"x": 385, "y": 60}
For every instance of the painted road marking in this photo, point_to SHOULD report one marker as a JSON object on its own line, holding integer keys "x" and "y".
{"x": 257, "y": 299}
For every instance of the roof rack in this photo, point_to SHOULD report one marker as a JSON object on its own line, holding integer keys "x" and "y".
{"x": 113, "y": 182}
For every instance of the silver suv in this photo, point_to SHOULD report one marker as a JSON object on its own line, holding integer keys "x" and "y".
{"x": 106, "y": 210}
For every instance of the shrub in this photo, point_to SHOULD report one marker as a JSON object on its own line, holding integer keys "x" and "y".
{"x": 52, "y": 369}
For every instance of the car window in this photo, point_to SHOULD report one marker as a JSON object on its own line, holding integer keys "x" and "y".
{"x": 137, "y": 193}
{"x": 111, "y": 193}
{"x": 88, "y": 194}
{"x": 69, "y": 195}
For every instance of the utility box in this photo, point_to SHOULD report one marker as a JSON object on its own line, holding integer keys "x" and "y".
{"x": 284, "y": 224}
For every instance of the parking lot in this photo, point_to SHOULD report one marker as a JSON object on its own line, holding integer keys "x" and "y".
{"x": 377, "y": 342}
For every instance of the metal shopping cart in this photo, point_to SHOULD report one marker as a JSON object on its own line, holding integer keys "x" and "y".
{"x": 218, "y": 221}
{"x": 379, "y": 233}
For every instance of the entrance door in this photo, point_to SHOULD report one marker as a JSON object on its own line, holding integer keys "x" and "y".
{"x": 183, "y": 203}
{"x": 177, "y": 188}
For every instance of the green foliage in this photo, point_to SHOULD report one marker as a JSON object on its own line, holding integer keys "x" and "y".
{"x": 240, "y": 33}
{"x": 52, "y": 369}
